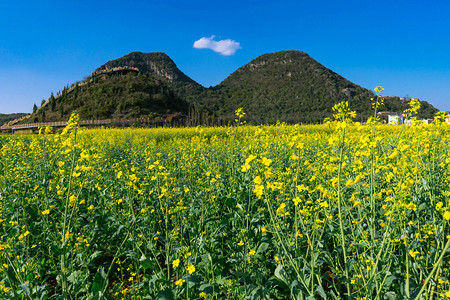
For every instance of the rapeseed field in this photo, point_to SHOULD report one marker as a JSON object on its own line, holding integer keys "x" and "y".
{"x": 334, "y": 211}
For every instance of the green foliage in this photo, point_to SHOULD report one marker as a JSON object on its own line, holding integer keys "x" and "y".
{"x": 52, "y": 104}
{"x": 5, "y": 118}
{"x": 287, "y": 86}
{"x": 394, "y": 104}
{"x": 248, "y": 212}
{"x": 128, "y": 96}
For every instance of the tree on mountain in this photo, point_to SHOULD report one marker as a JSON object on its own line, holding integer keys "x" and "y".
{"x": 42, "y": 111}
{"x": 52, "y": 103}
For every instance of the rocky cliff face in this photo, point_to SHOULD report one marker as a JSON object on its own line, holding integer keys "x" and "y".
{"x": 160, "y": 65}
{"x": 155, "y": 64}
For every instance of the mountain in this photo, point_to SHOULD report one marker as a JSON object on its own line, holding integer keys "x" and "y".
{"x": 5, "y": 118}
{"x": 159, "y": 65}
{"x": 287, "y": 86}
{"x": 292, "y": 87}
{"x": 128, "y": 96}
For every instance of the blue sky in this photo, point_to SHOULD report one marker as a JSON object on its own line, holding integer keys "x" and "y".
{"x": 403, "y": 46}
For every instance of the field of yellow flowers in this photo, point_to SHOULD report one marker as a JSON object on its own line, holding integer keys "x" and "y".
{"x": 334, "y": 211}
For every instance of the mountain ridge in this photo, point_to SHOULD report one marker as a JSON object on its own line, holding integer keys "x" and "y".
{"x": 288, "y": 86}
{"x": 6, "y": 118}
{"x": 153, "y": 63}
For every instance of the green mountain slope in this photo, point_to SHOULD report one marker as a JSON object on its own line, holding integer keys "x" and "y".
{"x": 119, "y": 97}
{"x": 291, "y": 86}
{"x": 5, "y": 118}
{"x": 287, "y": 86}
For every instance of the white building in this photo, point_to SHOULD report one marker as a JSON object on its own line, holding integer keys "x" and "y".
{"x": 395, "y": 119}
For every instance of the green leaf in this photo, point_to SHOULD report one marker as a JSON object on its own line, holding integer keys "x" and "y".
{"x": 425, "y": 184}
{"x": 389, "y": 281}
{"x": 207, "y": 288}
{"x": 263, "y": 245}
{"x": 321, "y": 292}
{"x": 280, "y": 273}
{"x": 96, "y": 255}
{"x": 203, "y": 246}
{"x": 423, "y": 206}
{"x": 145, "y": 262}
{"x": 278, "y": 282}
{"x": 100, "y": 281}
{"x": 73, "y": 277}
{"x": 167, "y": 294}
{"x": 390, "y": 296}
{"x": 26, "y": 288}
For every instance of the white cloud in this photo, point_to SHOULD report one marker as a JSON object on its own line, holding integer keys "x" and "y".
{"x": 225, "y": 47}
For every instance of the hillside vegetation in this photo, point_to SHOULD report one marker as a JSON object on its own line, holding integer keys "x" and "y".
{"x": 286, "y": 86}
{"x": 5, "y": 118}
{"x": 129, "y": 96}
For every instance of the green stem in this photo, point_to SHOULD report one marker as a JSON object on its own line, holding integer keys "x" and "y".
{"x": 65, "y": 225}
{"x": 285, "y": 250}
{"x": 436, "y": 265}
{"x": 115, "y": 255}
{"x": 341, "y": 225}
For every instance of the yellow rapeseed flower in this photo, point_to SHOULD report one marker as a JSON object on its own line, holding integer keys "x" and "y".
{"x": 190, "y": 268}
{"x": 413, "y": 253}
{"x": 266, "y": 161}
{"x": 245, "y": 168}
{"x": 176, "y": 263}
{"x": 258, "y": 190}
{"x": 447, "y": 215}
{"x": 180, "y": 282}
{"x": 73, "y": 199}
{"x": 280, "y": 209}
{"x": 411, "y": 206}
{"x": 257, "y": 180}
{"x": 357, "y": 203}
{"x": 324, "y": 204}
{"x": 296, "y": 200}
{"x": 379, "y": 89}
